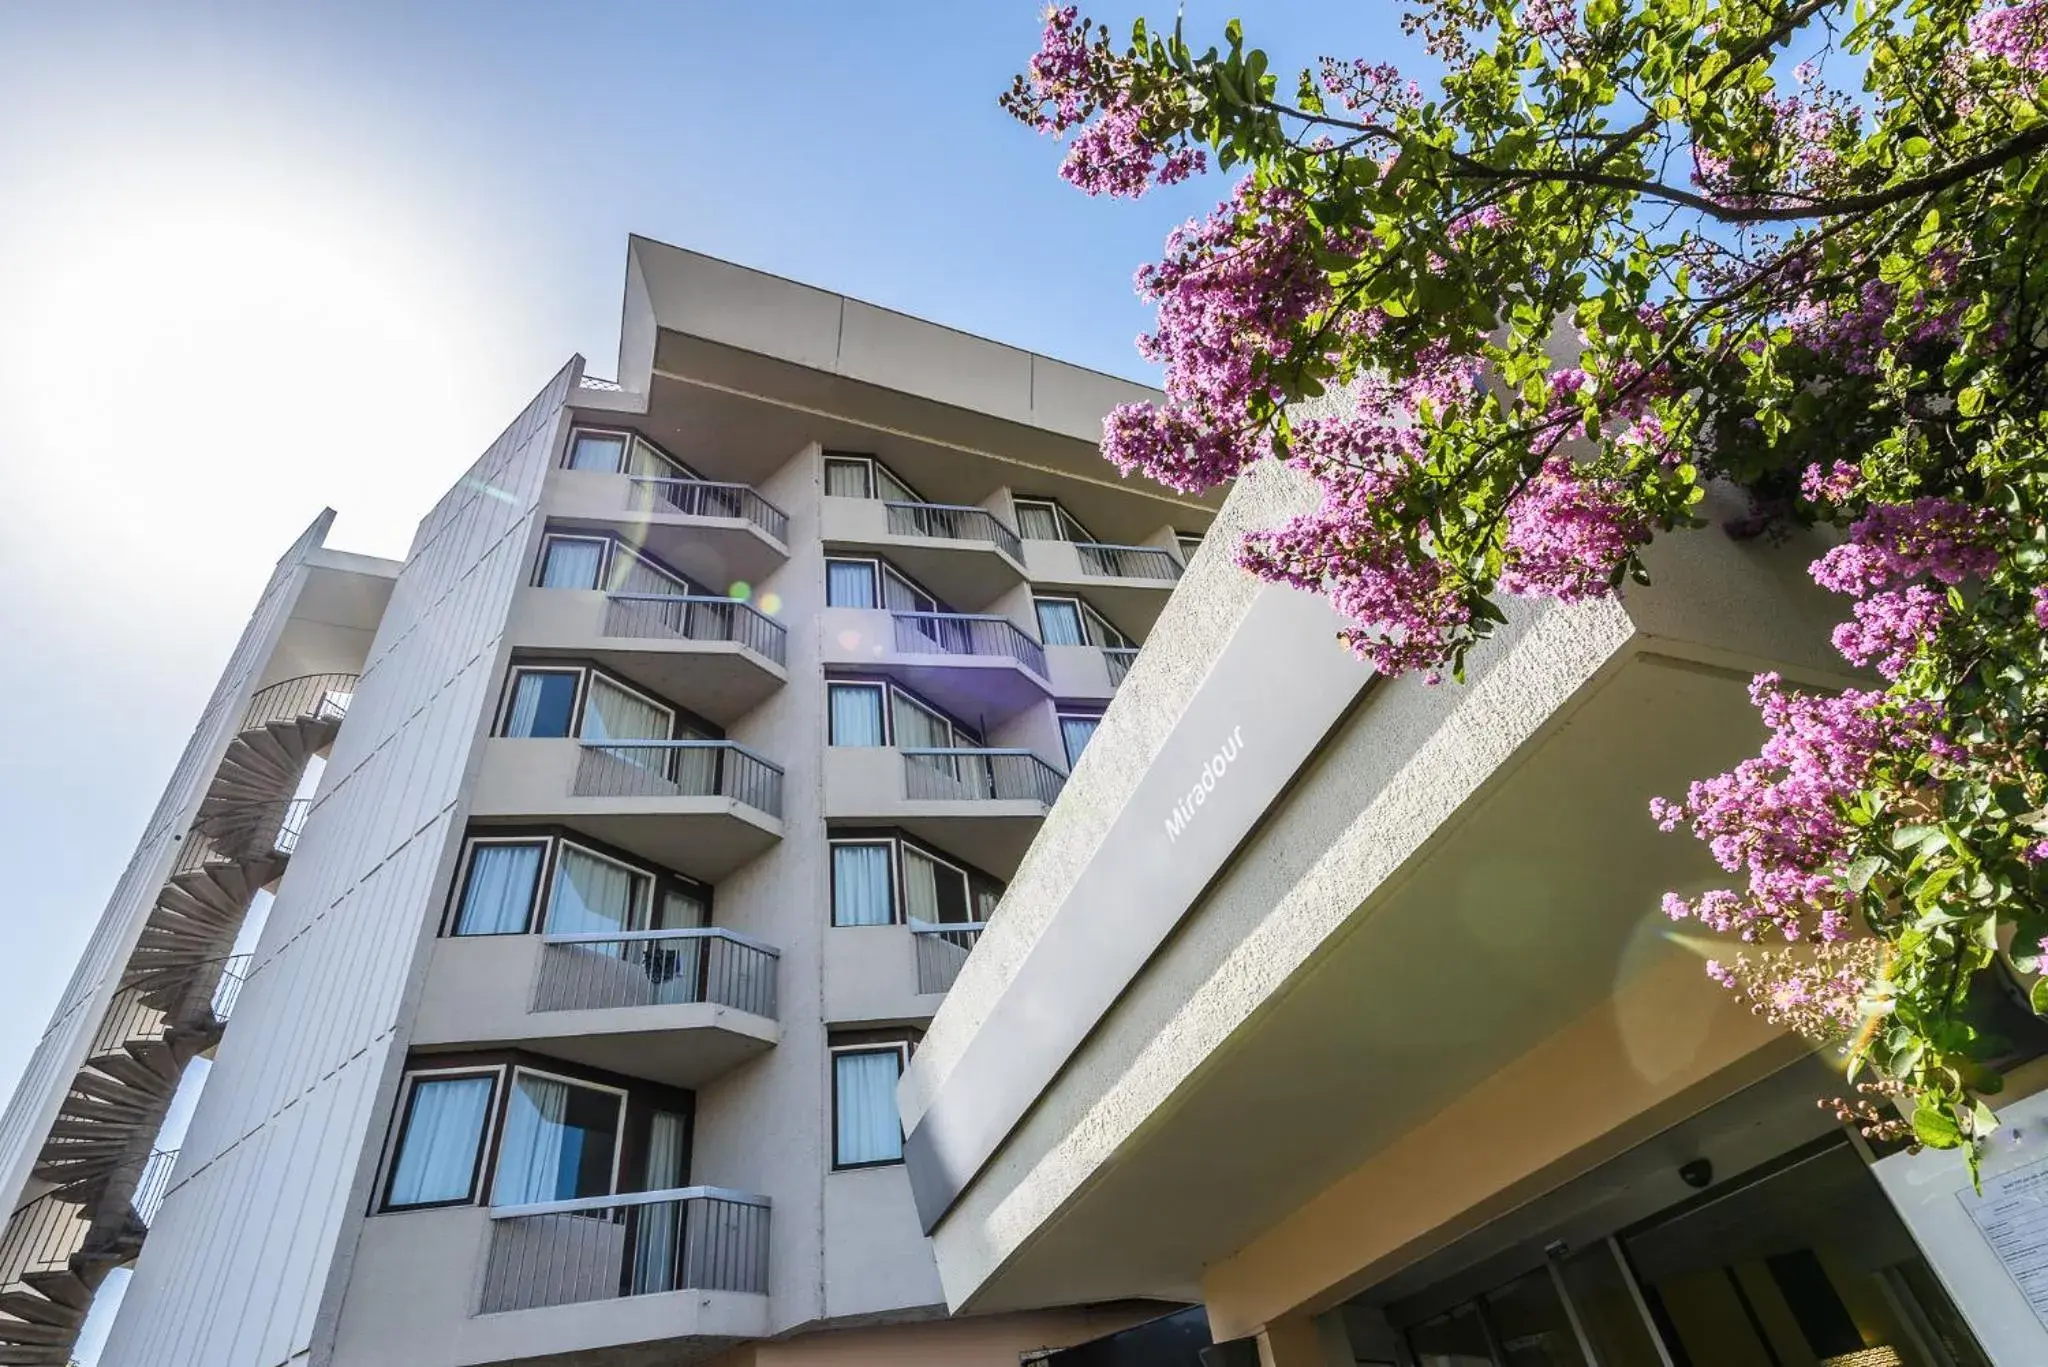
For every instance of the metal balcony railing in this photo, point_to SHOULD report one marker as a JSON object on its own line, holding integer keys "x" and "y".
{"x": 234, "y": 974}
{"x": 953, "y": 522}
{"x": 602, "y": 1247}
{"x": 1118, "y": 660}
{"x": 656, "y": 968}
{"x": 708, "y": 498}
{"x": 969, "y": 774}
{"x": 679, "y": 768}
{"x": 942, "y": 950}
{"x": 960, "y": 633}
{"x": 129, "y": 1020}
{"x": 687, "y": 617}
{"x": 1126, "y": 562}
{"x": 148, "y": 1197}
{"x": 242, "y": 833}
{"x": 309, "y": 695}
{"x": 41, "y": 1237}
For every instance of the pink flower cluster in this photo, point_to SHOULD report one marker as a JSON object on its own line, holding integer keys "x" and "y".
{"x": 1895, "y": 543}
{"x": 1891, "y": 626}
{"x": 2041, "y": 606}
{"x": 1070, "y": 81}
{"x": 1554, "y": 21}
{"x": 1836, "y": 483}
{"x": 1375, "y": 92}
{"x": 1230, "y": 291}
{"x": 1566, "y": 533}
{"x": 1776, "y": 818}
{"x": 2015, "y": 34}
{"x": 1112, "y": 156}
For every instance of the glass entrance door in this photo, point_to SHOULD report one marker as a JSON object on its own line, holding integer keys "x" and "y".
{"x": 1805, "y": 1265}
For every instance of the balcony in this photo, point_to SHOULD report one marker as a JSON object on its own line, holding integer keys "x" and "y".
{"x": 983, "y": 805}
{"x": 679, "y": 1007}
{"x": 961, "y": 552}
{"x": 718, "y": 534}
{"x": 971, "y": 665}
{"x": 940, "y": 952}
{"x": 701, "y": 807}
{"x": 718, "y": 657}
{"x": 673, "y": 1275}
{"x": 1091, "y": 672}
{"x": 1129, "y": 584}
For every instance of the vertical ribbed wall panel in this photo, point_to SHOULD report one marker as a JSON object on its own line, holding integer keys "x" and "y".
{"x": 236, "y": 1264}
{"x": 93, "y": 983}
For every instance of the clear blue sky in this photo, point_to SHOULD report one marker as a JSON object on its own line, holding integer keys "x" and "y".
{"x": 261, "y": 257}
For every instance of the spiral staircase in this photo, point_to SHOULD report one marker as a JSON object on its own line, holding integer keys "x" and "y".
{"x": 99, "y": 1178}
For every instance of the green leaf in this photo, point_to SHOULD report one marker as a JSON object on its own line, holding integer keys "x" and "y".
{"x": 2037, "y": 997}
{"x": 1935, "y": 1126}
{"x": 1970, "y": 402}
{"x": 1859, "y": 873}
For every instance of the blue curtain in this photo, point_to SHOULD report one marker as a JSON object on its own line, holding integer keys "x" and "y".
{"x": 444, "y": 1124}
{"x": 1059, "y": 624}
{"x": 860, "y": 885}
{"x": 864, "y": 1088}
{"x": 856, "y": 714}
{"x": 571, "y": 564}
{"x": 543, "y": 703}
{"x": 498, "y": 898}
{"x": 1076, "y": 732}
{"x": 849, "y": 584}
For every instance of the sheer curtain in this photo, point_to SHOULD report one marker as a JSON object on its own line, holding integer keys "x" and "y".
{"x": 661, "y": 1224}
{"x": 1060, "y": 624}
{"x": 916, "y": 728}
{"x": 612, "y": 713}
{"x": 498, "y": 898}
{"x": 1076, "y": 733}
{"x": 1037, "y": 522}
{"x": 849, "y": 584}
{"x": 856, "y": 714}
{"x": 443, "y": 1127}
{"x": 530, "y": 1166}
{"x": 864, "y": 1090}
{"x": 591, "y": 895}
{"x": 597, "y": 451}
{"x": 860, "y": 885}
{"x": 921, "y": 888}
{"x": 571, "y": 564}
{"x": 543, "y": 701}
{"x": 847, "y": 479}
{"x": 900, "y": 595}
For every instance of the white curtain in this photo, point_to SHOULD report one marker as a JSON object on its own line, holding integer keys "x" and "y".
{"x": 847, "y": 479}
{"x": 893, "y": 489}
{"x": 1076, "y": 733}
{"x": 654, "y": 1257}
{"x": 645, "y": 460}
{"x": 860, "y": 885}
{"x": 597, "y": 451}
{"x": 916, "y": 728}
{"x": 530, "y": 1166}
{"x": 498, "y": 898}
{"x": 612, "y": 713}
{"x": 921, "y": 887}
{"x": 868, "y": 1129}
{"x": 444, "y": 1125}
{"x": 571, "y": 564}
{"x": 591, "y": 895}
{"x": 680, "y": 910}
{"x": 1060, "y": 623}
{"x": 849, "y": 584}
{"x": 1036, "y": 522}
{"x": 856, "y": 714}
{"x": 631, "y": 574}
{"x": 900, "y": 595}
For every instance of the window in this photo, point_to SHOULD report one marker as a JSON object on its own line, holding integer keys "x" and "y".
{"x": 1189, "y": 543}
{"x": 920, "y": 727}
{"x": 1059, "y": 622}
{"x": 863, "y": 885}
{"x": 541, "y": 703}
{"x": 1076, "y": 730}
{"x": 440, "y": 1140}
{"x": 856, "y": 714}
{"x": 1041, "y": 519}
{"x": 597, "y": 451}
{"x": 561, "y": 1140}
{"x": 850, "y": 476}
{"x": 614, "y": 712}
{"x": 571, "y": 562}
{"x": 936, "y": 892}
{"x": 900, "y": 595}
{"x": 499, "y": 886}
{"x": 866, "y": 1130}
{"x": 851, "y": 584}
{"x": 635, "y": 573}
{"x": 593, "y": 895}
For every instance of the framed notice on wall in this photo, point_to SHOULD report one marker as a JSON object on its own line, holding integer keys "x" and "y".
{"x": 1990, "y": 1249}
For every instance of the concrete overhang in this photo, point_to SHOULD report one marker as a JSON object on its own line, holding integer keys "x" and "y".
{"x": 734, "y": 370}
{"x": 1449, "y": 876}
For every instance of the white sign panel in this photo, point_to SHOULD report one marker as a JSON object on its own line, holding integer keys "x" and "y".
{"x": 1991, "y": 1250}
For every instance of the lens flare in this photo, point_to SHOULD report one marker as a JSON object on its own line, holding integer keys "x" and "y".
{"x": 771, "y": 603}
{"x": 740, "y": 591}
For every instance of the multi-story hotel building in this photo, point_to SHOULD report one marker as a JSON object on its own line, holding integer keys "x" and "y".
{"x": 560, "y": 906}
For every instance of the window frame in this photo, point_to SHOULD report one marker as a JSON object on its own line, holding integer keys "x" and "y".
{"x": 876, "y": 468}
{"x": 512, "y": 674}
{"x": 1069, "y": 525}
{"x": 964, "y": 736}
{"x": 880, "y": 572}
{"x": 612, "y": 546}
{"x": 547, "y": 542}
{"x": 638, "y": 919}
{"x": 904, "y": 849}
{"x": 591, "y": 674}
{"x": 401, "y": 1126}
{"x": 1189, "y": 543}
{"x": 1093, "y": 623}
{"x": 874, "y": 569}
{"x": 541, "y": 883}
{"x": 888, "y": 842}
{"x": 888, "y": 720}
{"x": 901, "y": 1048}
{"x": 1061, "y": 716}
{"x": 618, "y": 1131}
{"x": 682, "y": 471}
